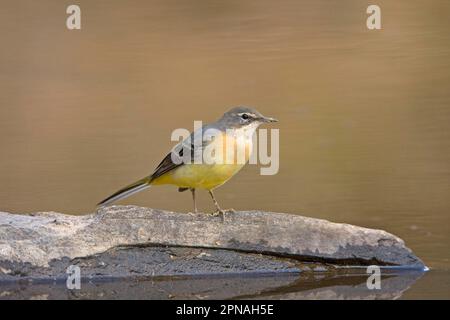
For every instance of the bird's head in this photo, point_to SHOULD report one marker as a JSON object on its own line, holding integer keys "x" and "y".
{"x": 239, "y": 117}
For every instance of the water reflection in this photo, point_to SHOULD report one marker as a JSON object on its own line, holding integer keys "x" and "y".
{"x": 308, "y": 287}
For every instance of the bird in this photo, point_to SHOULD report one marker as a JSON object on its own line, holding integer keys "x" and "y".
{"x": 185, "y": 166}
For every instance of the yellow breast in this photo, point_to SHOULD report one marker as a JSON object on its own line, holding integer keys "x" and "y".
{"x": 229, "y": 155}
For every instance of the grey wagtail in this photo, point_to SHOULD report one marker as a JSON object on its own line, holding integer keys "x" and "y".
{"x": 234, "y": 130}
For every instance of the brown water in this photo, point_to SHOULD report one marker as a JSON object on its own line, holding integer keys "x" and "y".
{"x": 364, "y": 115}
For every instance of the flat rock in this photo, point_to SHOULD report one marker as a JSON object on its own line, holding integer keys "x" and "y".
{"x": 136, "y": 240}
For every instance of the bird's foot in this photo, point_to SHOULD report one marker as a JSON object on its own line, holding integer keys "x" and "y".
{"x": 231, "y": 210}
{"x": 218, "y": 213}
{"x": 192, "y": 213}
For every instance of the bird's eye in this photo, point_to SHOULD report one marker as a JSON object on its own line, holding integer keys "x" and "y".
{"x": 244, "y": 116}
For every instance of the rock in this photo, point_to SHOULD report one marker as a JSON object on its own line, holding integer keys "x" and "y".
{"x": 144, "y": 240}
{"x": 144, "y": 261}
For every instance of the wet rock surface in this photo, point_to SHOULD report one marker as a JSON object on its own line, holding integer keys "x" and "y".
{"x": 145, "y": 261}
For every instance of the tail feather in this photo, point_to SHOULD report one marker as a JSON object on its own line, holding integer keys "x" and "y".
{"x": 126, "y": 192}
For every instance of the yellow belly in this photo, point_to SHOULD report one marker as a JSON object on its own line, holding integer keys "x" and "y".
{"x": 199, "y": 175}
{"x": 210, "y": 176}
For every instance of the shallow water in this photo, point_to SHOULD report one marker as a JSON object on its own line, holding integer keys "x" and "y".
{"x": 364, "y": 115}
{"x": 287, "y": 286}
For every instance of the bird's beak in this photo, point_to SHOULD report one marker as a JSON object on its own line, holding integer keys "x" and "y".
{"x": 268, "y": 119}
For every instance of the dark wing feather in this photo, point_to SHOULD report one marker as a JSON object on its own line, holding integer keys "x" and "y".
{"x": 165, "y": 166}
{"x": 188, "y": 145}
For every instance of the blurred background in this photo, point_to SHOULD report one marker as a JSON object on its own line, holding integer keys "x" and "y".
{"x": 364, "y": 114}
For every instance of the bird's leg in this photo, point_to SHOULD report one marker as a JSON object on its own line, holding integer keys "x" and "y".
{"x": 193, "y": 198}
{"x": 216, "y": 204}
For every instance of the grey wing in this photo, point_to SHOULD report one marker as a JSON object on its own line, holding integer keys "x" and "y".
{"x": 187, "y": 151}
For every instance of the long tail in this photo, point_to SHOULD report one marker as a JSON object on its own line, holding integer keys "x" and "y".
{"x": 127, "y": 191}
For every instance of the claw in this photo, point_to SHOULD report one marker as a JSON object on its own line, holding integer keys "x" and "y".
{"x": 218, "y": 213}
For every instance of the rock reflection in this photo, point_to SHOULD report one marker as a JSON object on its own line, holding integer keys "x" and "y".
{"x": 305, "y": 286}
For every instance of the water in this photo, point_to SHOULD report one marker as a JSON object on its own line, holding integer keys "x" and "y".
{"x": 364, "y": 115}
